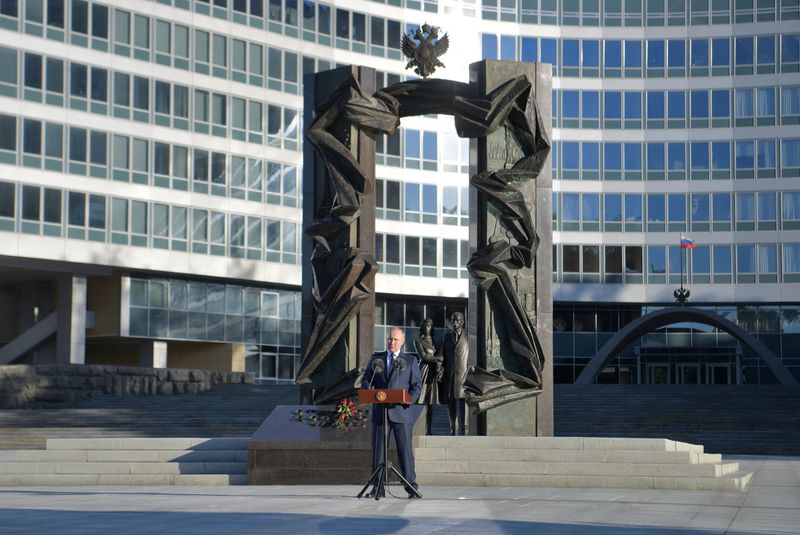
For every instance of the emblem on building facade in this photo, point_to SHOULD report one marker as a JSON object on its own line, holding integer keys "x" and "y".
{"x": 424, "y": 57}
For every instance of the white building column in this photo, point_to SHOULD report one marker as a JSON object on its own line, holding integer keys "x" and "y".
{"x": 71, "y": 334}
{"x": 153, "y": 354}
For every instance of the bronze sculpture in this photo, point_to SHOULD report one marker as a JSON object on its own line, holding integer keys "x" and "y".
{"x": 455, "y": 349}
{"x": 431, "y": 370}
{"x": 343, "y": 275}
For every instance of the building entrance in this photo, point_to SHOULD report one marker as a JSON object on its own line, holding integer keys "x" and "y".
{"x": 688, "y": 374}
{"x": 689, "y": 366}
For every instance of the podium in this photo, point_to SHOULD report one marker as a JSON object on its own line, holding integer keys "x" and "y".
{"x": 385, "y": 396}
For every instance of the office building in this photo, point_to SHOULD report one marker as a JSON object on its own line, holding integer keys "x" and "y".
{"x": 150, "y": 174}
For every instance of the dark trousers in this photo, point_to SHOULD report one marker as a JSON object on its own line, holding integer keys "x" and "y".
{"x": 456, "y": 410}
{"x": 403, "y": 435}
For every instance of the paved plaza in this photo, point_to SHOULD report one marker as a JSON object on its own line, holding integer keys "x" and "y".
{"x": 771, "y": 505}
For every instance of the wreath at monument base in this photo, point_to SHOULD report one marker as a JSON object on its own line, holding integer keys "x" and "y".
{"x": 344, "y": 417}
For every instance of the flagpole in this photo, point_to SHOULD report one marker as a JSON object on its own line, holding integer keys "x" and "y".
{"x": 680, "y": 244}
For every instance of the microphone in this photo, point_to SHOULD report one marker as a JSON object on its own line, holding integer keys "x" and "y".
{"x": 400, "y": 364}
{"x": 378, "y": 366}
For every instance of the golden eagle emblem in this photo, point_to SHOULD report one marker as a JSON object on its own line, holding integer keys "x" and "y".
{"x": 424, "y": 57}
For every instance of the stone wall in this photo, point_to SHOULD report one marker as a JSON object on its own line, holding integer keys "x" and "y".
{"x": 23, "y": 387}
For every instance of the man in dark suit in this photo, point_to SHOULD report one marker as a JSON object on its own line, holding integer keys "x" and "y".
{"x": 400, "y": 417}
{"x": 455, "y": 349}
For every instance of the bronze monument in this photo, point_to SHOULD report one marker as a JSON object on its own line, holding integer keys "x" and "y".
{"x": 510, "y": 302}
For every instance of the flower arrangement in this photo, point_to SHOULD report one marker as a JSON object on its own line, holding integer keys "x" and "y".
{"x": 345, "y": 411}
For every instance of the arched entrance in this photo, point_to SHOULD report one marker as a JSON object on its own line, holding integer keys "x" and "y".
{"x": 666, "y": 316}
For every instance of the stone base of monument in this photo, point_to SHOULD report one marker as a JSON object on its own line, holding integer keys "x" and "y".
{"x": 286, "y": 450}
{"x": 641, "y": 463}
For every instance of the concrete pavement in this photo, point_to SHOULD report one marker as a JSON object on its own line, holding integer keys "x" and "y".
{"x": 770, "y": 505}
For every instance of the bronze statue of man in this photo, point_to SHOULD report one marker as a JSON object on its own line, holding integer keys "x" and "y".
{"x": 455, "y": 349}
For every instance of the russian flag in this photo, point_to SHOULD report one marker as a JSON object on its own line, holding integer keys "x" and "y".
{"x": 687, "y": 243}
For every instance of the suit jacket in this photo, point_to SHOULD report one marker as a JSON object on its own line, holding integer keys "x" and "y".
{"x": 456, "y": 356}
{"x": 409, "y": 379}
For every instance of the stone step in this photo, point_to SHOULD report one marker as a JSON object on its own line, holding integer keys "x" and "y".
{"x": 122, "y": 468}
{"x": 565, "y": 455}
{"x": 562, "y": 443}
{"x": 577, "y": 469}
{"x": 574, "y": 462}
{"x": 142, "y": 456}
{"x": 14, "y": 480}
{"x": 734, "y": 482}
{"x": 150, "y": 443}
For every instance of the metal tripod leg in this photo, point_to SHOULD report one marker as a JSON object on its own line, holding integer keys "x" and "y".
{"x": 376, "y": 480}
{"x": 381, "y": 473}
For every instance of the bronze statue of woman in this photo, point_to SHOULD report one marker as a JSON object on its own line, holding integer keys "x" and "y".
{"x": 431, "y": 370}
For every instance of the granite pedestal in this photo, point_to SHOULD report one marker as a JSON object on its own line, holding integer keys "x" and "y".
{"x": 287, "y": 452}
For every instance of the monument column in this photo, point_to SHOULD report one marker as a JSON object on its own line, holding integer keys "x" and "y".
{"x": 531, "y": 416}
{"x": 355, "y": 344}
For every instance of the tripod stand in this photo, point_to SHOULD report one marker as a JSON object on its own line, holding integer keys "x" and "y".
{"x": 380, "y": 475}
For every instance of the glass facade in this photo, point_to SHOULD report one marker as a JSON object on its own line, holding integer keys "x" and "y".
{"x": 169, "y": 136}
{"x": 689, "y": 130}
{"x": 265, "y": 320}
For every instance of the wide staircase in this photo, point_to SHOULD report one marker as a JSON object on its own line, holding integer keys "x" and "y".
{"x": 138, "y": 440}
{"x": 201, "y": 439}
{"x": 223, "y": 411}
{"x": 128, "y": 461}
{"x": 729, "y": 419}
{"x": 574, "y": 462}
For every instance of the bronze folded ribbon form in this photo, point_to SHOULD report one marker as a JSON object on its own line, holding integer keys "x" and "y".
{"x": 340, "y": 274}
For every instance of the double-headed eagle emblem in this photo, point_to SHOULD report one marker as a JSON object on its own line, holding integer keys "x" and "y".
{"x": 424, "y": 57}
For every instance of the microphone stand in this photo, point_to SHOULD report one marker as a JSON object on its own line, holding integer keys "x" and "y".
{"x": 380, "y": 475}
